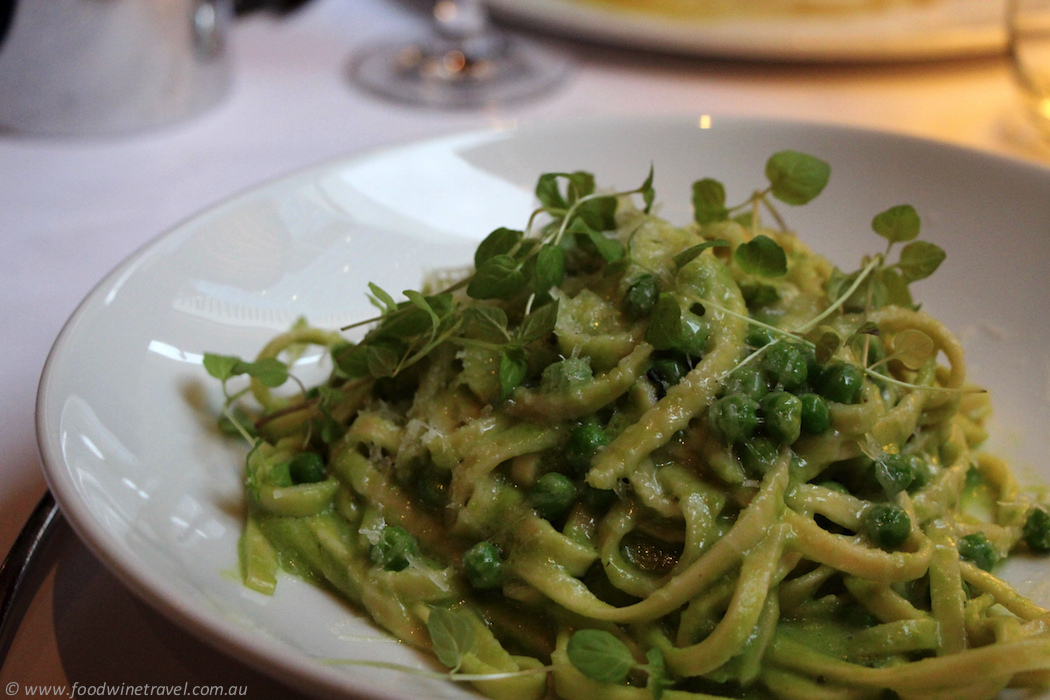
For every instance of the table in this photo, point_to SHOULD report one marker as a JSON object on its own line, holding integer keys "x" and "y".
{"x": 70, "y": 210}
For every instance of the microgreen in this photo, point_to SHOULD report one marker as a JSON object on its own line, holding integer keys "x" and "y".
{"x": 795, "y": 178}
{"x": 602, "y": 657}
{"x": 451, "y": 635}
{"x": 690, "y": 254}
{"x": 514, "y": 272}
{"x": 762, "y": 256}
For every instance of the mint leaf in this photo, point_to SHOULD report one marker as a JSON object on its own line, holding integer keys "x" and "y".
{"x": 451, "y": 636}
{"x": 549, "y": 268}
{"x": 762, "y": 256}
{"x": 599, "y": 655}
{"x": 499, "y": 277}
{"x": 538, "y": 323}
{"x": 578, "y": 184}
{"x": 659, "y": 679}
{"x": 709, "y": 201}
{"x": 919, "y": 260}
{"x": 599, "y": 213}
{"x": 665, "y": 323}
{"x": 221, "y": 366}
{"x": 500, "y": 242}
{"x": 897, "y": 224}
{"x": 269, "y": 370}
{"x": 512, "y": 371}
{"x": 796, "y": 178}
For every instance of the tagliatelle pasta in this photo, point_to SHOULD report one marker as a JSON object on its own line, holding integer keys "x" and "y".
{"x": 627, "y": 459}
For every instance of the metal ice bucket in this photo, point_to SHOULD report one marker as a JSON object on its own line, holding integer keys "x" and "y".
{"x": 99, "y": 67}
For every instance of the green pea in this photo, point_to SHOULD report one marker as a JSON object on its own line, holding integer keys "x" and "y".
{"x": 395, "y": 547}
{"x": 735, "y": 417}
{"x": 785, "y": 365}
{"x": 758, "y": 454}
{"x": 483, "y": 564}
{"x": 641, "y": 296}
{"x": 552, "y": 495}
{"x": 306, "y": 468}
{"x": 841, "y": 383}
{"x": 922, "y": 470}
{"x": 666, "y": 370}
{"x": 977, "y": 549}
{"x": 886, "y": 525}
{"x": 695, "y": 335}
{"x": 894, "y": 474}
{"x": 583, "y": 443}
{"x": 747, "y": 380}
{"x": 1037, "y": 529}
{"x": 816, "y": 416}
{"x": 782, "y": 415}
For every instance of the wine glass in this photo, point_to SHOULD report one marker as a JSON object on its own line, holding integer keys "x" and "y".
{"x": 465, "y": 63}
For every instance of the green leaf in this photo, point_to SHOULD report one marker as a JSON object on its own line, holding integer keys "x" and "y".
{"x": 888, "y": 287}
{"x": 550, "y": 268}
{"x": 913, "y": 348}
{"x": 500, "y": 242}
{"x": 709, "y": 201}
{"x": 547, "y": 191}
{"x": 269, "y": 370}
{"x": 490, "y": 322}
{"x": 600, "y": 656}
{"x": 659, "y": 680}
{"x": 352, "y": 360}
{"x": 758, "y": 294}
{"x": 826, "y": 342}
{"x": 919, "y": 260}
{"x": 599, "y": 213}
{"x": 689, "y": 254}
{"x": 762, "y": 256}
{"x": 647, "y": 191}
{"x": 500, "y": 277}
{"x": 423, "y": 304}
{"x": 796, "y": 178}
{"x": 451, "y": 636}
{"x": 512, "y": 371}
{"x": 578, "y": 184}
{"x": 610, "y": 249}
{"x": 867, "y": 328}
{"x": 221, "y": 366}
{"x": 665, "y": 323}
{"x": 538, "y": 323}
{"x": 897, "y": 224}
{"x": 383, "y": 359}
{"x": 381, "y": 299}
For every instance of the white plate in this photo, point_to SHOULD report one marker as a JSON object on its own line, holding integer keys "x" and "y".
{"x": 934, "y": 29}
{"x": 134, "y": 463}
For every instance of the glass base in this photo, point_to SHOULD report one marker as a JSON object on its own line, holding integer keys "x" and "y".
{"x": 486, "y": 70}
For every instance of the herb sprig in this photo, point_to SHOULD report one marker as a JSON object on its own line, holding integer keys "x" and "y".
{"x": 507, "y": 304}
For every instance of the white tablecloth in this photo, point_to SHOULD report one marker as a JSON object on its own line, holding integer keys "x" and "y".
{"x": 70, "y": 210}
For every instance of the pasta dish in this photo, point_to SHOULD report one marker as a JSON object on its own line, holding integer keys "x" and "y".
{"x": 621, "y": 458}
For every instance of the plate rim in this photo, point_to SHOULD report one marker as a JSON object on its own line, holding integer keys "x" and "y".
{"x": 265, "y": 655}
